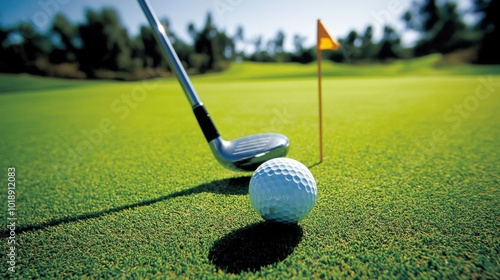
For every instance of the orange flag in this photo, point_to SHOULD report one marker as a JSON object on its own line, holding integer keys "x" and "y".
{"x": 325, "y": 41}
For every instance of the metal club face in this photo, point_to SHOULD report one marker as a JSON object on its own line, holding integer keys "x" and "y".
{"x": 247, "y": 153}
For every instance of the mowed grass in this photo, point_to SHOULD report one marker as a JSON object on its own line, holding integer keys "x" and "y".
{"x": 114, "y": 186}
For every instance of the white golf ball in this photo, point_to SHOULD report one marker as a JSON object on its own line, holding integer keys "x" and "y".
{"x": 283, "y": 190}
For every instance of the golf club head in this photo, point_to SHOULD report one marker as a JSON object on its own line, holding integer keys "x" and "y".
{"x": 247, "y": 153}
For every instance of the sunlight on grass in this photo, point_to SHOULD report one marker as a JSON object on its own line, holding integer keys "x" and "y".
{"x": 115, "y": 186}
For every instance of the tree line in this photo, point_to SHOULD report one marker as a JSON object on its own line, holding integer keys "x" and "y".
{"x": 101, "y": 47}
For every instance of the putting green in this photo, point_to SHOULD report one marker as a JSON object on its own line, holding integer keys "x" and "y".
{"x": 116, "y": 180}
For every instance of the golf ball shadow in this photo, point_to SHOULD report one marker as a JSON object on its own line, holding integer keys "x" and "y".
{"x": 255, "y": 246}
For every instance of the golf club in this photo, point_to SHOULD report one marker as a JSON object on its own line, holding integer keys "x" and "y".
{"x": 245, "y": 153}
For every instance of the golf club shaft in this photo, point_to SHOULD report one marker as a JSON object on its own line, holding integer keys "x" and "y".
{"x": 172, "y": 58}
{"x": 204, "y": 120}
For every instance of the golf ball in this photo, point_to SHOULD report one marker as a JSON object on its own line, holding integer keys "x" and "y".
{"x": 283, "y": 190}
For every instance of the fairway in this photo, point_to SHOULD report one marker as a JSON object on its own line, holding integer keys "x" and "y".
{"x": 116, "y": 180}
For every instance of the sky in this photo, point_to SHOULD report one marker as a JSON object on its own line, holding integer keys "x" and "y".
{"x": 257, "y": 17}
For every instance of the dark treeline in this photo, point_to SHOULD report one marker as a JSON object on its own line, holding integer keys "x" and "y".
{"x": 100, "y": 47}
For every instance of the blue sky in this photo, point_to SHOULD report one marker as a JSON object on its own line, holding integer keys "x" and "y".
{"x": 258, "y": 17}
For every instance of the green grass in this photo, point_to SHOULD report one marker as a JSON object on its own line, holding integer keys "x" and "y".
{"x": 403, "y": 193}
{"x": 425, "y": 66}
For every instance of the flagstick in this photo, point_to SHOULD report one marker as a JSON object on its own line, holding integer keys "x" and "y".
{"x": 325, "y": 42}
{"x": 320, "y": 112}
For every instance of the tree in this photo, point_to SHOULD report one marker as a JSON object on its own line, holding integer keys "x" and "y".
{"x": 4, "y": 33}
{"x": 67, "y": 34}
{"x": 257, "y": 44}
{"x": 422, "y": 16}
{"x": 239, "y": 37}
{"x": 152, "y": 53}
{"x": 105, "y": 43}
{"x": 367, "y": 48}
{"x": 137, "y": 53}
{"x": 212, "y": 48}
{"x": 34, "y": 48}
{"x": 260, "y": 54}
{"x": 10, "y": 57}
{"x": 489, "y": 24}
{"x": 349, "y": 48}
{"x": 203, "y": 46}
{"x": 449, "y": 33}
{"x": 390, "y": 44}
{"x": 279, "y": 42}
{"x": 298, "y": 42}
{"x": 223, "y": 50}
{"x": 441, "y": 27}
{"x": 301, "y": 54}
{"x": 429, "y": 15}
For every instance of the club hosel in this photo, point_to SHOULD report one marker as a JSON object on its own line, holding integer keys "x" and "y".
{"x": 205, "y": 122}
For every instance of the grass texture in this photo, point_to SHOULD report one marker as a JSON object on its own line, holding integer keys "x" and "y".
{"x": 115, "y": 180}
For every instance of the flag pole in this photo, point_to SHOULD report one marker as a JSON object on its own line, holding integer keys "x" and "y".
{"x": 320, "y": 106}
{"x": 325, "y": 42}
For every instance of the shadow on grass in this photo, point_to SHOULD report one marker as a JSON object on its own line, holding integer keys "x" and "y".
{"x": 231, "y": 186}
{"x": 255, "y": 246}
{"x": 314, "y": 165}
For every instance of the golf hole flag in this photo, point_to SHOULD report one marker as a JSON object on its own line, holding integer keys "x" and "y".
{"x": 325, "y": 42}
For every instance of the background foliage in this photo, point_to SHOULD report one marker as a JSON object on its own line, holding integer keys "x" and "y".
{"x": 101, "y": 47}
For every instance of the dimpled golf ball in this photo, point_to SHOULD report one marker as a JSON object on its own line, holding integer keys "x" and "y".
{"x": 283, "y": 190}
